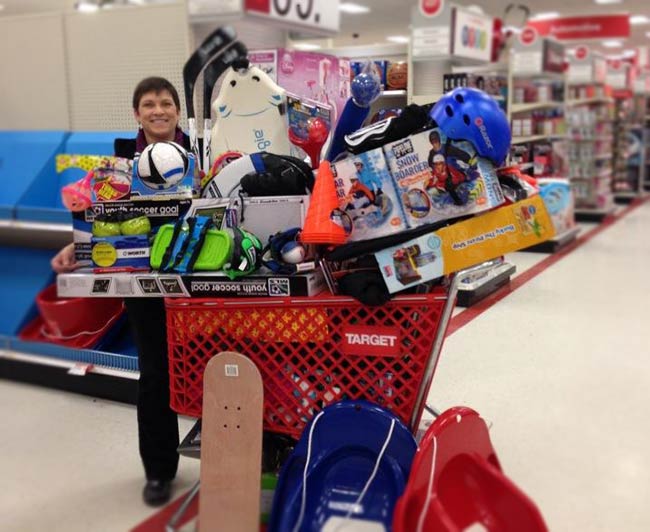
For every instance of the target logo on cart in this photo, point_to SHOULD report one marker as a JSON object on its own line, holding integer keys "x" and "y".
{"x": 370, "y": 340}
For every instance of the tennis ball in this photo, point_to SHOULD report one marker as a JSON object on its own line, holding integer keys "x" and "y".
{"x": 136, "y": 226}
{"x": 103, "y": 228}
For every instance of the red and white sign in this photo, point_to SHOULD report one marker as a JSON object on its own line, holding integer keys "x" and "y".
{"x": 582, "y": 52}
{"x": 320, "y": 16}
{"x": 431, "y": 8}
{"x": 528, "y": 36}
{"x": 370, "y": 340}
{"x": 581, "y": 28}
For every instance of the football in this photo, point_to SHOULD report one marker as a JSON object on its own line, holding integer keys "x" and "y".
{"x": 162, "y": 165}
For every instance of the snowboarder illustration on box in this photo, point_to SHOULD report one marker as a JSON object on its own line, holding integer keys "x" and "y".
{"x": 451, "y": 168}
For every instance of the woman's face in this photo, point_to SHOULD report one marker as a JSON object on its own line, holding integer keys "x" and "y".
{"x": 158, "y": 115}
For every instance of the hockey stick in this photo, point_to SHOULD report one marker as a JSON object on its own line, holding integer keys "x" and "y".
{"x": 213, "y": 44}
{"x": 212, "y": 73}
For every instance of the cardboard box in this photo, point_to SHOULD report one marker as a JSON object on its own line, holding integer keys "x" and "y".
{"x": 216, "y": 285}
{"x": 558, "y": 198}
{"x": 320, "y": 77}
{"x": 368, "y": 201}
{"x": 422, "y": 165}
{"x": 465, "y": 244}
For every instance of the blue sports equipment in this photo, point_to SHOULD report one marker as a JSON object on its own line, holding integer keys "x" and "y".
{"x": 472, "y": 115}
{"x": 365, "y": 88}
{"x": 351, "y": 462}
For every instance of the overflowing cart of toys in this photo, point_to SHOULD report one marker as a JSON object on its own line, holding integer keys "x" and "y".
{"x": 286, "y": 199}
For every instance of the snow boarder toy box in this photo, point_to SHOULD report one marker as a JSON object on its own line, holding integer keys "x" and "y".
{"x": 439, "y": 179}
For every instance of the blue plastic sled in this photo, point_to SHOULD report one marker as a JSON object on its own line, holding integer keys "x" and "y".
{"x": 346, "y": 442}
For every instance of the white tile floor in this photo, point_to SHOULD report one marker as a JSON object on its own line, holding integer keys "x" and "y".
{"x": 560, "y": 367}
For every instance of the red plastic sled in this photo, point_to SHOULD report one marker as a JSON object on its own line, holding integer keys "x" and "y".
{"x": 467, "y": 487}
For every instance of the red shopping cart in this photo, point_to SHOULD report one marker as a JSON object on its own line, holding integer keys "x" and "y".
{"x": 314, "y": 351}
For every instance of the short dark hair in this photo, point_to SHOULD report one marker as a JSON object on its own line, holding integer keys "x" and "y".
{"x": 154, "y": 84}
{"x": 434, "y": 135}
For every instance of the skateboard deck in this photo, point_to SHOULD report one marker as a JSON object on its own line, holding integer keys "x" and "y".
{"x": 231, "y": 445}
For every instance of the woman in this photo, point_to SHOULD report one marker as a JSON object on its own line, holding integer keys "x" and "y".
{"x": 156, "y": 107}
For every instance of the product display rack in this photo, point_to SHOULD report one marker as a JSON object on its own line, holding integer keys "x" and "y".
{"x": 33, "y": 227}
{"x": 536, "y": 108}
{"x": 630, "y": 138}
{"x": 591, "y": 147}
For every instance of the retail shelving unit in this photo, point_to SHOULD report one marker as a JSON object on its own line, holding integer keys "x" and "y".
{"x": 536, "y": 108}
{"x": 591, "y": 148}
{"x": 33, "y": 227}
{"x": 630, "y": 147}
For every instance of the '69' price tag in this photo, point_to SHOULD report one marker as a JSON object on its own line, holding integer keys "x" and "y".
{"x": 320, "y": 15}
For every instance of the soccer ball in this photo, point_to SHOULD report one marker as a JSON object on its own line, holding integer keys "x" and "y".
{"x": 162, "y": 165}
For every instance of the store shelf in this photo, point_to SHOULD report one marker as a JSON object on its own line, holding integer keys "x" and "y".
{"x": 557, "y": 242}
{"x": 34, "y": 234}
{"x": 589, "y": 101}
{"x": 593, "y": 215}
{"x": 554, "y": 76}
{"x": 536, "y": 138}
{"x": 627, "y": 197}
{"x": 603, "y": 156}
{"x": 472, "y": 292}
{"x": 517, "y": 108}
{"x": 95, "y": 381}
{"x": 393, "y": 94}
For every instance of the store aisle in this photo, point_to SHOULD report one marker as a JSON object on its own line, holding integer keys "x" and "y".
{"x": 560, "y": 368}
{"x": 70, "y": 463}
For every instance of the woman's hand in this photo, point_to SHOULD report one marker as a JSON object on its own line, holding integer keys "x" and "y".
{"x": 64, "y": 261}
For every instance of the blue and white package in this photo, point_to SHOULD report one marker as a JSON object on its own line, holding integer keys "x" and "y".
{"x": 425, "y": 166}
{"x": 369, "y": 206}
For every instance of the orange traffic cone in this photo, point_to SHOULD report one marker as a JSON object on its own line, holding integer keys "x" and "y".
{"x": 319, "y": 227}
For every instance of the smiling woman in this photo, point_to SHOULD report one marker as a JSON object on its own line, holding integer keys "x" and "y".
{"x": 156, "y": 107}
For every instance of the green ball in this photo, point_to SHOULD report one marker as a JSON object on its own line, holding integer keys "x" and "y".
{"x": 136, "y": 226}
{"x": 103, "y": 228}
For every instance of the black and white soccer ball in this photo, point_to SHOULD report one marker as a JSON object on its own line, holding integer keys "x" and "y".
{"x": 162, "y": 165}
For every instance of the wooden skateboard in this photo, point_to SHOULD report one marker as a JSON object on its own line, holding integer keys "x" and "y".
{"x": 231, "y": 445}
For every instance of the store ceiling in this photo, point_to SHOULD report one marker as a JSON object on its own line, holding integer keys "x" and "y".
{"x": 392, "y": 17}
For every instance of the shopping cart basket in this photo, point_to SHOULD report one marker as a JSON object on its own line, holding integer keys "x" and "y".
{"x": 314, "y": 351}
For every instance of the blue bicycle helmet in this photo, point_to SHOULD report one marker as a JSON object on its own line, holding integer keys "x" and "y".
{"x": 471, "y": 115}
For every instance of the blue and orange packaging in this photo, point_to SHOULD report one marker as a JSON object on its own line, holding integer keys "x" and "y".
{"x": 425, "y": 167}
{"x": 369, "y": 206}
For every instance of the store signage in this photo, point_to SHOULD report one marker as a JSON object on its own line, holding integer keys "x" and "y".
{"x": 371, "y": 340}
{"x": 472, "y": 35}
{"x": 617, "y": 74}
{"x": 528, "y": 36}
{"x": 581, "y": 52}
{"x": 553, "y": 56}
{"x": 431, "y": 8}
{"x": 320, "y": 16}
{"x": 431, "y": 41}
{"x": 581, "y": 28}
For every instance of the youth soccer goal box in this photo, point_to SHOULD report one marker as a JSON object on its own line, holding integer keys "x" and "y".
{"x": 311, "y": 352}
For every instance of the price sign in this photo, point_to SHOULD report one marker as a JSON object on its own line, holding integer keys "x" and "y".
{"x": 319, "y": 16}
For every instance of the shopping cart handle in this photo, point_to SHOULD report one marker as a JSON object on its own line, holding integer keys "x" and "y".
{"x": 461, "y": 275}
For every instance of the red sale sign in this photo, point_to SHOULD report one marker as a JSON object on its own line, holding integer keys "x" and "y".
{"x": 581, "y": 28}
{"x": 321, "y": 16}
{"x": 582, "y": 52}
{"x": 528, "y": 36}
{"x": 430, "y": 8}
